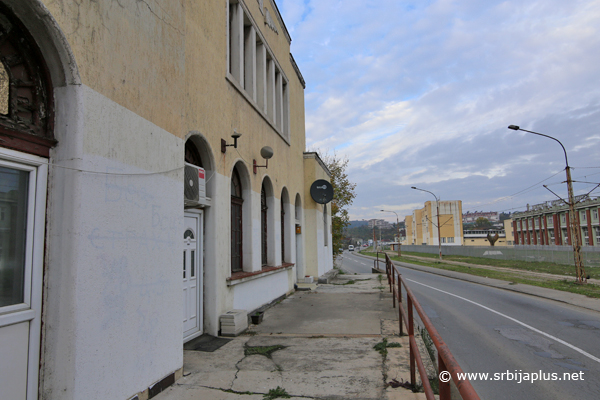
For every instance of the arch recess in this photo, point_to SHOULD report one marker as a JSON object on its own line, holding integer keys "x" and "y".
{"x": 50, "y": 40}
{"x": 287, "y": 222}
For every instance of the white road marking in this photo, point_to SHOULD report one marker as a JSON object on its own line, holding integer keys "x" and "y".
{"x": 577, "y": 349}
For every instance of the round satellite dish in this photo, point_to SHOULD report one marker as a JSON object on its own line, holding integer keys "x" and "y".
{"x": 321, "y": 191}
{"x": 266, "y": 152}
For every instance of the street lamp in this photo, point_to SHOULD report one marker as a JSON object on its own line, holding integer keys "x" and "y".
{"x": 397, "y": 226}
{"x": 573, "y": 221}
{"x": 437, "y": 202}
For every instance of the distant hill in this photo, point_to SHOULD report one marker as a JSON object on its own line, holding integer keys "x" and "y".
{"x": 358, "y": 224}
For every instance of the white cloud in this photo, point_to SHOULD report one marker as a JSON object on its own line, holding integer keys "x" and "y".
{"x": 422, "y": 93}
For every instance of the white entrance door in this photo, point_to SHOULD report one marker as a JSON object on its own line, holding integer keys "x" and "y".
{"x": 192, "y": 275}
{"x": 22, "y": 220}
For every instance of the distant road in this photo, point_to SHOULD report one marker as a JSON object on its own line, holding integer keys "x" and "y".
{"x": 491, "y": 330}
{"x": 360, "y": 265}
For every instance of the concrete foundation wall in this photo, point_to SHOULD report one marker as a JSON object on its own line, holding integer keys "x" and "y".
{"x": 256, "y": 293}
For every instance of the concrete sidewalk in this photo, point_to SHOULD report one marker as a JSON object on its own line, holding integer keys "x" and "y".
{"x": 324, "y": 350}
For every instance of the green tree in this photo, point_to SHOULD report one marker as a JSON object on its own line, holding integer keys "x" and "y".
{"x": 343, "y": 196}
{"x": 482, "y": 223}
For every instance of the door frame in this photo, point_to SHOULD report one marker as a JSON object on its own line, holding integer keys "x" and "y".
{"x": 199, "y": 215}
{"x": 31, "y": 310}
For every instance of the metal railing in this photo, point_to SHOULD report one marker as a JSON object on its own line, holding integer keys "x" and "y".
{"x": 446, "y": 361}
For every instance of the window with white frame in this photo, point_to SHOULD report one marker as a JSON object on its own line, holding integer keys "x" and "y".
{"x": 583, "y": 215}
{"x": 450, "y": 240}
{"x": 595, "y": 214}
{"x": 22, "y": 195}
{"x": 255, "y": 70}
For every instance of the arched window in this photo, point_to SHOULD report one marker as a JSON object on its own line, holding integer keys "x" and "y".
{"x": 192, "y": 155}
{"x": 282, "y": 230}
{"x": 236, "y": 222}
{"x": 26, "y": 109}
{"x": 263, "y": 225}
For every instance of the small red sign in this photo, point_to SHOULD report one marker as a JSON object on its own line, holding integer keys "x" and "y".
{"x": 200, "y": 173}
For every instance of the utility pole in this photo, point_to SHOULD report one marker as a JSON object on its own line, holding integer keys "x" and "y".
{"x": 573, "y": 220}
{"x": 397, "y": 227}
{"x": 437, "y": 202}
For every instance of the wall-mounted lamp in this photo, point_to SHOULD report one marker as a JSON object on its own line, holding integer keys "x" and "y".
{"x": 266, "y": 153}
{"x": 224, "y": 144}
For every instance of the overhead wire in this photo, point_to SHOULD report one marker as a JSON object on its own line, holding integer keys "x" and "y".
{"x": 526, "y": 190}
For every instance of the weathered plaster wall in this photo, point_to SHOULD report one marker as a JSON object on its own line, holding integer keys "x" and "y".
{"x": 215, "y": 108}
{"x": 150, "y": 73}
{"x": 113, "y": 279}
{"x": 130, "y": 51}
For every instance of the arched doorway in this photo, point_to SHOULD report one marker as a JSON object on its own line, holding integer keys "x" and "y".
{"x": 26, "y": 136}
{"x": 193, "y": 257}
{"x": 299, "y": 242}
{"x": 286, "y": 232}
{"x": 237, "y": 223}
{"x": 264, "y": 226}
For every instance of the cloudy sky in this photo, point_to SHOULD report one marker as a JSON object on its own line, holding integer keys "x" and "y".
{"x": 420, "y": 93}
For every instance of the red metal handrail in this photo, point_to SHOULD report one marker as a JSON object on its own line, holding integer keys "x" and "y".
{"x": 446, "y": 361}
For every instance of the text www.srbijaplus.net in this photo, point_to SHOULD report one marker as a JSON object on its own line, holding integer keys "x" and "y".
{"x": 516, "y": 376}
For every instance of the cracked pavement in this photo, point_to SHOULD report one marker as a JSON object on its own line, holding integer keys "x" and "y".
{"x": 328, "y": 336}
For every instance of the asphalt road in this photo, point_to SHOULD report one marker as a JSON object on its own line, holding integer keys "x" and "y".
{"x": 496, "y": 331}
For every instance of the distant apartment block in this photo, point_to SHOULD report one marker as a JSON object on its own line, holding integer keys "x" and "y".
{"x": 421, "y": 226}
{"x": 470, "y": 217}
{"x": 379, "y": 223}
{"x": 548, "y": 223}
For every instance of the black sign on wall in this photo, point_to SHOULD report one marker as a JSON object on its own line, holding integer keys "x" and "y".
{"x": 321, "y": 191}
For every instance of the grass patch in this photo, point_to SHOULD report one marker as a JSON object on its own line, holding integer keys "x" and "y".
{"x": 350, "y": 282}
{"x": 233, "y": 391}
{"x": 570, "y": 286}
{"x": 514, "y": 277}
{"x": 535, "y": 266}
{"x": 277, "y": 393}
{"x": 266, "y": 351}
{"x": 384, "y": 345}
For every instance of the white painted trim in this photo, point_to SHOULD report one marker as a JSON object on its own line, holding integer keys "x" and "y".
{"x": 16, "y": 317}
{"x": 258, "y": 276}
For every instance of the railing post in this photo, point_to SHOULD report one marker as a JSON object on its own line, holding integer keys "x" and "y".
{"x": 411, "y": 333}
{"x": 393, "y": 284}
{"x": 400, "y": 303}
{"x": 444, "y": 387}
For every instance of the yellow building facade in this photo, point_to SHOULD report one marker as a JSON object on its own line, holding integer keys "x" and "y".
{"x": 162, "y": 147}
{"x": 424, "y": 224}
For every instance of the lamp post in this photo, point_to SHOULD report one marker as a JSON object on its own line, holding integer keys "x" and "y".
{"x": 397, "y": 226}
{"x": 573, "y": 220}
{"x": 437, "y": 203}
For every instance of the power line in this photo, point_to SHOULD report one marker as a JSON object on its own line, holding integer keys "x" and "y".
{"x": 534, "y": 186}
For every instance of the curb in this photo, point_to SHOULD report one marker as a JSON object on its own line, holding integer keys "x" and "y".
{"x": 475, "y": 279}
